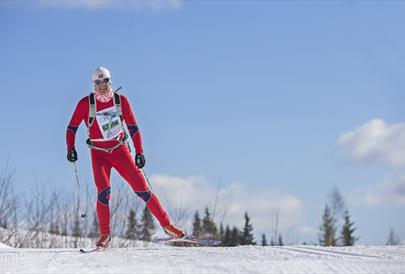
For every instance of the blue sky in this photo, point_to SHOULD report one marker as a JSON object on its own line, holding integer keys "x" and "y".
{"x": 275, "y": 101}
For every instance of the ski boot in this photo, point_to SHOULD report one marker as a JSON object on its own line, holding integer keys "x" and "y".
{"x": 104, "y": 240}
{"x": 173, "y": 231}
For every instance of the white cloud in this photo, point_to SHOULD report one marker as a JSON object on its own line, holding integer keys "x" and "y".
{"x": 390, "y": 192}
{"x": 230, "y": 202}
{"x": 376, "y": 142}
{"x": 102, "y": 4}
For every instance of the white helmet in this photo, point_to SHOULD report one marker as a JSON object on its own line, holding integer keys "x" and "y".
{"x": 100, "y": 73}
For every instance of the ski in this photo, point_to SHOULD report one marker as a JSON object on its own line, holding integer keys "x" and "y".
{"x": 82, "y": 250}
{"x": 189, "y": 239}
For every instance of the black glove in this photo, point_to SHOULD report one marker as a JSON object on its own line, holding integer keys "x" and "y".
{"x": 72, "y": 155}
{"x": 140, "y": 160}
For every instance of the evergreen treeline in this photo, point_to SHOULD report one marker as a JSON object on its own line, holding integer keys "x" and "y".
{"x": 229, "y": 236}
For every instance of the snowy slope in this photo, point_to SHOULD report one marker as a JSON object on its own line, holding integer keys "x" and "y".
{"x": 242, "y": 259}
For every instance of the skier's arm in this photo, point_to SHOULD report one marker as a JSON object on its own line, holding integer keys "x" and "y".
{"x": 132, "y": 125}
{"x": 77, "y": 118}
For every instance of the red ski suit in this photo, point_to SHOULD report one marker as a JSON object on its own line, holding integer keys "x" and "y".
{"x": 120, "y": 159}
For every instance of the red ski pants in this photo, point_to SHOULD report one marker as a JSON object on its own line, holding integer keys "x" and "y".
{"x": 122, "y": 161}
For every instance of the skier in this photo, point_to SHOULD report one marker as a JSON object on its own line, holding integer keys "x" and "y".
{"x": 104, "y": 112}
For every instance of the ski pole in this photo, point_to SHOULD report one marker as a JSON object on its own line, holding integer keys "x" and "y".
{"x": 83, "y": 215}
{"x": 147, "y": 180}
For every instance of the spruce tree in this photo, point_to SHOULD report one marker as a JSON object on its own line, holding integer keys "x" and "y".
{"x": 327, "y": 229}
{"x": 264, "y": 240}
{"x": 148, "y": 225}
{"x": 346, "y": 235}
{"x": 206, "y": 221}
{"x": 247, "y": 234}
{"x": 393, "y": 238}
{"x": 235, "y": 237}
{"x": 197, "y": 229}
{"x": 227, "y": 237}
{"x": 209, "y": 228}
{"x": 132, "y": 228}
{"x": 280, "y": 240}
{"x": 221, "y": 231}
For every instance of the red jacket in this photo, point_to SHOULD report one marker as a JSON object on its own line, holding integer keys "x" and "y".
{"x": 82, "y": 113}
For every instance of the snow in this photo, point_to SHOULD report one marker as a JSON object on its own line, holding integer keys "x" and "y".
{"x": 36, "y": 239}
{"x": 241, "y": 259}
{"x": 3, "y": 246}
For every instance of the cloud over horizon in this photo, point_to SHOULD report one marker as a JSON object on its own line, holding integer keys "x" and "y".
{"x": 391, "y": 191}
{"x": 228, "y": 203}
{"x": 376, "y": 142}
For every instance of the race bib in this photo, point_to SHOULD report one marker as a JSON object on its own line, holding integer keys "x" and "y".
{"x": 109, "y": 123}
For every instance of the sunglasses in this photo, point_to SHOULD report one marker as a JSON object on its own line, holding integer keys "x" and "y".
{"x": 105, "y": 81}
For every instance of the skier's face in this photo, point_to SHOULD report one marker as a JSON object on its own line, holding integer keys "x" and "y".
{"x": 103, "y": 86}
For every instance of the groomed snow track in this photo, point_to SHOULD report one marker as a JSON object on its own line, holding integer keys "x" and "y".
{"x": 242, "y": 259}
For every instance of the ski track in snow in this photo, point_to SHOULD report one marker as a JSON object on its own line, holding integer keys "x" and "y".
{"x": 241, "y": 259}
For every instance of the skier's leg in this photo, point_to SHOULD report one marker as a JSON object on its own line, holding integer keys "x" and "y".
{"x": 101, "y": 172}
{"x": 123, "y": 162}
